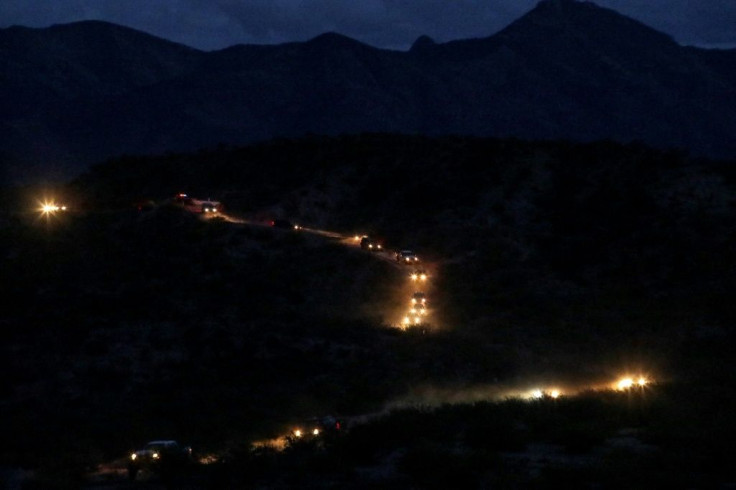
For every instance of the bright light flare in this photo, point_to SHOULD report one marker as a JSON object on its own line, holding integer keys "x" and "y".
{"x": 315, "y": 432}
{"x": 133, "y": 457}
{"x": 50, "y": 207}
{"x": 298, "y": 433}
{"x": 538, "y": 394}
{"x": 624, "y": 384}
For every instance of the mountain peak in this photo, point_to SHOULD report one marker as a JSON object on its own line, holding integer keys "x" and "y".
{"x": 423, "y": 42}
{"x": 334, "y": 39}
{"x": 583, "y": 20}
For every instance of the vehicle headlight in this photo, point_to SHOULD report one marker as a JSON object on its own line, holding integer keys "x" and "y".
{"x": 625, "y": 383}
{"x": 298, "y": 433}
{"x": 133, "y": 457}
{"x": 315, "y": 432}
{"x": 155, "y": 455}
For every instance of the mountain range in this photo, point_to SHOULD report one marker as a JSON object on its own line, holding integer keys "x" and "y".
{"x": 75, "y": 94}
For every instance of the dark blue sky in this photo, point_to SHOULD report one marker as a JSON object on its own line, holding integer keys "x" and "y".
{"x": 392, "y": 24}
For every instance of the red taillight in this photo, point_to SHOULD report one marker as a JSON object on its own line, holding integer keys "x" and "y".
{"x": 337, "y": 425}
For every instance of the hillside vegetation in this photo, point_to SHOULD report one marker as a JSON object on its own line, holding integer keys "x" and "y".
{"x": 560, "y": 261}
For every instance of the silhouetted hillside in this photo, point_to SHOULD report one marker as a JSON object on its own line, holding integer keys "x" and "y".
{"x": 555, "y": 260}
{"x": 566, "y": 69}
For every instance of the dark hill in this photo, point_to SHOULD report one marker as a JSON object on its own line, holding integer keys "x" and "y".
{"x": 84, "y": 92}
{"x": 555, "y": 261}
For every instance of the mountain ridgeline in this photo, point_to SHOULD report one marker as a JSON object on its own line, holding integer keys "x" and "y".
{"x": 79, "y": 93}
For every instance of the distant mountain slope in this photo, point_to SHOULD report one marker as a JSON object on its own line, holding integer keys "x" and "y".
{"x": 83, "y": 92}
{"x": 49, "y": 77}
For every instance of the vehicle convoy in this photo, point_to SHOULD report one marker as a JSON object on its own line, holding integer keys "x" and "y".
{"x": 407, "y": 257}
{"x": 158, "y": 456}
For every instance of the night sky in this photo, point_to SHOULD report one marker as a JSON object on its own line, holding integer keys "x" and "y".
{"x": 390, "y": 24}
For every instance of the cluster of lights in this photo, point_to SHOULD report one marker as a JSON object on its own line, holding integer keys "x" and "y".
{"x": 627, "y": 383}
{"x": 411, "y": 320}
{"x": 418, "y": 276}
{"x": 538, "y": 394}
{"x": 624, "y": 383}
{"x": 154, "y": 455}
{"x": 51, "y": 208}
{"x": 417, "y": 310}
{"x": 418, "y": 298}
{"x": 299, "y": 433}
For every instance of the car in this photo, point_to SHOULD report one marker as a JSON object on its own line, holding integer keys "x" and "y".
{"x": 418, "y": 275}
{"x": 159, "y": 455}
{"x": 210, "y": 207}
{"x": 418, "y": 309}
{"x": 411, "y": 319}
{"x": 406, "y": 257}
{"x": 367, "y": 243}
{"x": 419, "y": 298}
{"x": 284, "y": 223}
{"x": 317, "y": 427}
